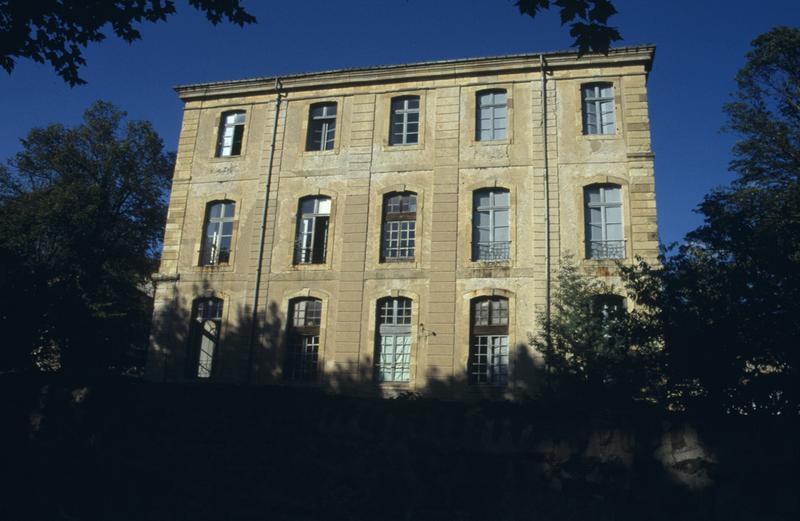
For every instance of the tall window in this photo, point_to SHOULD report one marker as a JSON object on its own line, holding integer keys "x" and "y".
{"x": 393, "y": 346}
{"x": 490, "y": 229}
{"x": 492, "y": 115}
{"x": 399, "y": 226}
{"x": 311, "y": 241}
{"x": 404, "y": 126}
{"x": 488, "y": 355}
{"x": 204, "y": 336}
{"x": 598, "y": 108}
{"x": 604, "y": 236}
{"x": 218, "y": 233}
{"x": 302, "y": 358}
{"x": 231, "y": 132}
{"x": 321, "y": 127}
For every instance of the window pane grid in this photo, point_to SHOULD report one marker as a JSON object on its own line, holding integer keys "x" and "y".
{"x": 399, "y": 227}
{"x": 489, "y": 360}
{"x": 604, "y": 228}
{"x": 322, "y": 127}
{"x": 311, "y": 239}
{"x": 230, "y": 134}
{"x": 216, "y": 247}
{"x": 492, "y": 116}
{"x": 394, "y": 358}
{"x": 598, "y": 109}
{"x": 304, "y": 358}
{"x": 490, "y": 233}
{"x": 404, "y": 127}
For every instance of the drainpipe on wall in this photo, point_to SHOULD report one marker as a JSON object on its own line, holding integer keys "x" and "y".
{"x": 257, "y": 289}
{"x": 547, "y": 330}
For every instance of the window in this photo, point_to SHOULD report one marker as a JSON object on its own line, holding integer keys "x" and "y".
{"x": 393, "y": 345}
{"x": 321, "y": 127}
{"x": 603, "y": 208}
{"x": 311, "y": 241}
{"x": 204, "y": 336}
{"x": 492, "y": 115}
{"x": 488, "y": 355}
{"x": 399, "y": 226}
{"x": 302, "y": 360}
{"x": 608, "y": 306}
{"x": 490, "y": 229}
{"x": 231, "y": 132}
{"x": 598, "y": 108}
{"x": 216, "y": 247}
{"x": 404, "y": 125}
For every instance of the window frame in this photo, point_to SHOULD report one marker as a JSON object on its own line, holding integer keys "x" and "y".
{"x": 238, "y": 128}
{"x": 388, "y": 217}
{"x": 304, "y": 340}
{"x": 597, "y": 101}
{"x": 400, "y": 324}
{"x": 493, "y": 107}
{"x": 405, "y": 113}
{"x": 205, "y": 311}
{"x": 327, "y": 124}
{"x": 490, "y": 366}
{"x": 607, "y": 251}
{"x": 298, "y": 257}
{"x": 491, "y": 210}
{"x": 204, "y": 261}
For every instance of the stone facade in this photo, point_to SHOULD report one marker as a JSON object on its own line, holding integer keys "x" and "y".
{"x": 444, "y": 168}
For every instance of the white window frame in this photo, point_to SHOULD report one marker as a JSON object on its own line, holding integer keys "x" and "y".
{"x": 208, "y": 323}
{"x": 308, "y": 227}
{"x": 212, "y": 252}
{"x": 402, "y": 117}
{"x": 489, "y": 352}
{"x": 323, "y": 124}
{"x": 399, "y": 234}
{"x": 604, "y": 248}
{"x": 495, "y": 126}
{"x": 599, "y": 112}
{"x": 393, "y": 343}
{"x": 492, "y": 250}
{"x": 231, "y": 132}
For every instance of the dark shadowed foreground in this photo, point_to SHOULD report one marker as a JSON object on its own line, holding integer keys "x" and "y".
{"x": 121, "y": 449}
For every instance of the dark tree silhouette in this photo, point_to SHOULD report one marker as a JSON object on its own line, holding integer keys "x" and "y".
{"x": 588, "y": 21}
{"x": 83, "y": 211}
{"x": 56, "y": 32}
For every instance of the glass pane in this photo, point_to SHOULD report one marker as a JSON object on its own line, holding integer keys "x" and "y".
{"x": 614, "y": 232}
{"x": 307, "y": 206}
{"x": 612, "y": 194}
{"x": 482, "y": 199}
{"x": 593, "y": 194}
{"x": 501, "y": 199}
{"x": 484, "y": 98}
{"x": 595, "y": 215}
{"x": 324, "y": 206}
{"x": 227, "y": 228}
{"x": 614, "y": 215}
{"x": 607, "y": 91}
{"x": 215, "y": 210}
{"x": 595, "y": 232}
{"x": 413, "y": 103}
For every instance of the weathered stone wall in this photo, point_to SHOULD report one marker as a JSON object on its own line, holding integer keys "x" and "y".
{"x": 444, "y": 169}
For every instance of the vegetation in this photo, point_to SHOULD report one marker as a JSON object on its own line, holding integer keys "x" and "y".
{"x": 727, "y": 300}
{"x": 588, "y": 21}
{"x": 83, "y": 211}
{"x": 57, "y": 32}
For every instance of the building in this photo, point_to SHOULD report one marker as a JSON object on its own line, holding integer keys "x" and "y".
{"x": 415, "y": 217}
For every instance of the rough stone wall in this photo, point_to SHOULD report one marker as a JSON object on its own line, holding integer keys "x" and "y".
{"x": 444, "y": 169}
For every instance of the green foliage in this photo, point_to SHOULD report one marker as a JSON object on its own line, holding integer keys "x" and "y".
{"x": 596, "y": 347}
{"x": 588, "y": 18}
{"x": 729, "y": 297}
{"x": 57, "y": 32}
{"x": 83, "y": 210}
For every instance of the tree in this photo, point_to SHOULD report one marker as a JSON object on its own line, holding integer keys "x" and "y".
{"x": 729, "y": 297}
{"x": 589, "y": 21}
{"x": 595, "y": 346}
{"x": 56, "y": 32}
{"x": 83, "y": 210}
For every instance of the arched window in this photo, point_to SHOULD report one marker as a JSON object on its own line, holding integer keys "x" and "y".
{"x": 302, "y": 357}
{"x": 404, "y": 124}
{"x": 218, "y": 234}
{"x": 321, "y": 126}
{"x": 204, "y": 336}
{"x": 399, "y": 233}
{"x": 490, "y": 226}
{"x": 488, "y": 354}
{"x": 598, "y": 108}
{"x": 393, "y": 343}
{"x": 492, "y": 115}
{"x": 311, "y": 239}
{"x": 231, "y": 133}
{"x": 604, "y": 231}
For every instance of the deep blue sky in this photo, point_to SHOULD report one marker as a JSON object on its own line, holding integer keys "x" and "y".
{"x": 701, "y": 45}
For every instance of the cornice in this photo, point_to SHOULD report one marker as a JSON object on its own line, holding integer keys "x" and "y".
{"x": 643, "y": 54}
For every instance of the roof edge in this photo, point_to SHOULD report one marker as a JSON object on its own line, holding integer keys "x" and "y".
{"x": 556, "y": 59}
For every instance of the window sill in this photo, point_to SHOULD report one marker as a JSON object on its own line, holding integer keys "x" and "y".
{"x": 313, "y": 153}
{"x": 213, "y": 268}
{"x": 592, "y": 137}
{"x": 492, "y": 142}
{"x": 223, "y": 159}
{"x": 403, "y": 148}
{"x": 311, "y": 267}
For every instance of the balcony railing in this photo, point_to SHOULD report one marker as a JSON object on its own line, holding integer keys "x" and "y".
{"x": 606, "y": 250}
{"x": 493, "y": 251}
